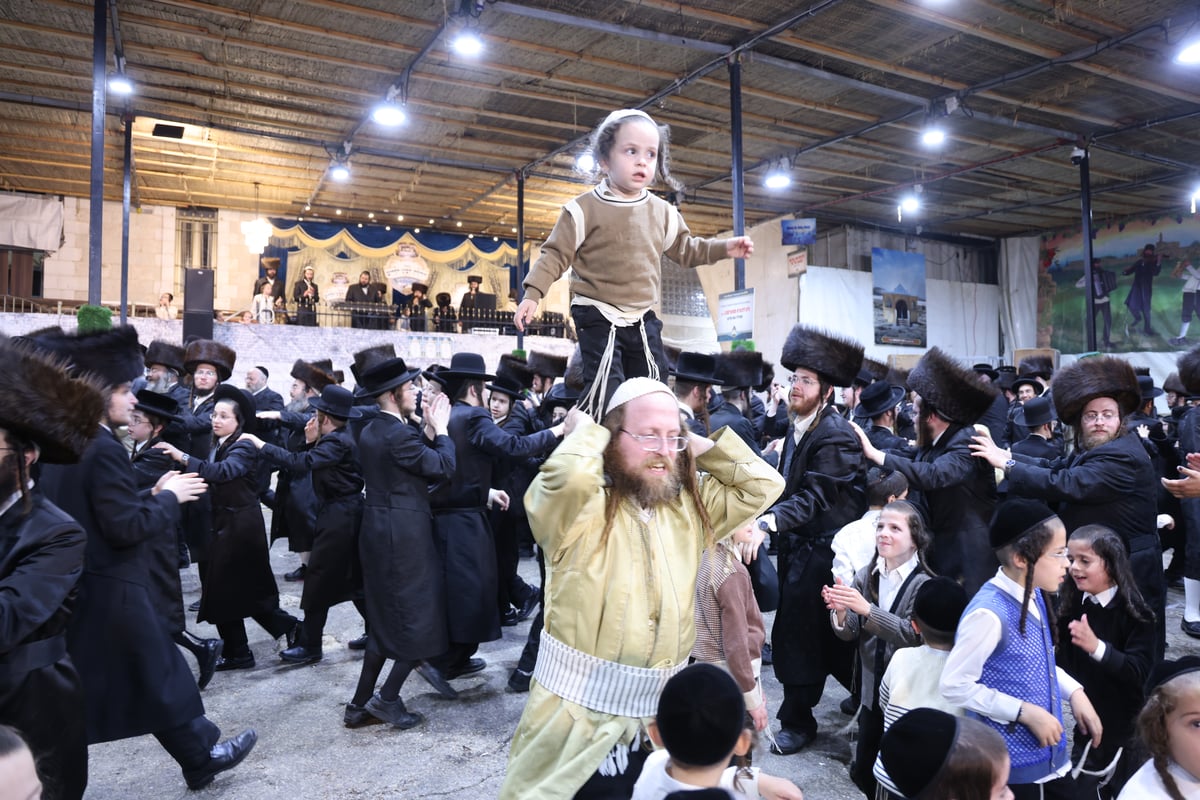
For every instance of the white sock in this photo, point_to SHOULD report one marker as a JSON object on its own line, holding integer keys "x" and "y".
{"x": 1191, "y": 600}
{"x": 1183, "y": 329}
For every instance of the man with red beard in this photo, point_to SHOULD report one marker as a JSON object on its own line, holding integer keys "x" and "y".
{"x": 822, "y": 464}
{"x": 957, "y": 493}
{"x": 1108, "y": 480}
{"x": 623, "y": 517}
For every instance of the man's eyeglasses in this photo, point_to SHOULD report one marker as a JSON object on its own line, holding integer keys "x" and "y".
{"x": 206, "y": 373}
{"x": 803, "y": 380}
{"x": 652, "y": 444}
{"x": 1092, "y": 416}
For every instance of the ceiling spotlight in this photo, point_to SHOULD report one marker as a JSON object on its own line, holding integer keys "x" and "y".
{"x": 933, "y": 136}
{"x": 299, "y": 219}
{"x": 399, "y": 218}
{"x": 119, "y": 83}
{"x": 910, "y": 204}
{"x": 370, "y": 215}
{"x": 514, "y": 230}
{"x": 1189, "y": 54}
{"x": 340, "y": 171}
{"x": 458, "y": 224}
{"x": 389, "y": 114}
{"x": 416, "y": 230}
{"x": 387, "y": 227}
{"x": 338, "y": 212}
{"x": 430, "y": 222}
{"x": 467, "y": 44}
{"x": 495, "y": 238}
{"x": 586, "y": 162}
{"x": 470, "y": 236}
{"x": 360, "y": 224}
{"x": 778, "y": 176}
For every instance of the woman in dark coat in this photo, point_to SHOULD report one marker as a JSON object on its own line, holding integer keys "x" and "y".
{"x": 333, "y": 575}
{"x": 239, "y": 583}
{"x": 402, "y": 573}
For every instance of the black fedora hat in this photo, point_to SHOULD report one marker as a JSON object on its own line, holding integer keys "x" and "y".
{"x": 384, "y": 377}
{"x": 474, "y": 279}
{"x": 158, "y": 405}
{"x": 876, "y": 399}
{"x": 466, "y": 366}
{"x": 336, "y": 401}
{"x": 1035, "y": 412}
{"x": 245, "y": 404}
{"x": 986, "y": 369}
{"x": 1148, "y": 389}
{"x": 697, "y": 367}
{"x": 420, "y": 287}
{"x": 560, "y": 395}
{"x": 1027, "y": 380}
{"x": 505, "y": 384}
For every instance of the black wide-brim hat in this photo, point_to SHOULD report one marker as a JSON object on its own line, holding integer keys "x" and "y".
{"x": 1189, "y": 371}
{"x": 42, "y": 401}
{"x": 1148, "y": 389}
{"x": 1028, "y": 380}
{"x": 986, "y": 369}
{"x": 876, "y": 399}
{"x": 957, "y": 393}
{"x": 740, "y": 368}
{"x": 466, "y": 366}
{"x": 384, "y": 377}
{"x": 1035, "y": 412}
{"x": 474, "y": 279}
{"x": 505, "y": 384}
{"x": 560, "y": 394}
{"x": 336, "y": 401}
{"x": 836, "y": 359}
{"x": 245, "y": 404}
{"x": 1078, "y": 384}
{"x": 162, "y": 406}
{"x": 698, "y": 368}
{"x": 420, "y": 287}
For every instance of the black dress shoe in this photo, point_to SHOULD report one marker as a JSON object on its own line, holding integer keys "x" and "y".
{"x": 1190, "y": 628}
{"x": 208, "y": 662}
{"x": 297, "y": 574}
{"x": 849, "y": 705}
{"x": 301, "y": 654}
{"x": 393, "y": 712}
{"x": 528, "y": 607}
{"x": 767, "y": 657}
{"x": 788, "y": 741}
{"x": 518, "y": 681}
{"x": 510, "y": 618}
{"x": 294, "y": 636}
{"x": 470, "y": 668}
{"x": 434, "y": 677}
{"x": 226, "y": 755}
{"x": 358, "y": 644}
{"x": 358, "y": 717}
{"x": 226, "y": 663}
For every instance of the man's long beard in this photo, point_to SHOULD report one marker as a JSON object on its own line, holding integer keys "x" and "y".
{"x": 646, "y": 491}
{"x": 296, "y": 406}
{"x": 160, "y": 386}
{"x": 1088, "y": 440}
{"x": 803, "y": 408}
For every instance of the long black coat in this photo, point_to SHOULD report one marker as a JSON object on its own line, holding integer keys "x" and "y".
{"x": 333, "y": 574}
{"x": 403, "y": 579}
{"x": 134, "y": 677}
{"x": 1111, "y": 485}
{"x": 957, "y": 491}
{"x": 825, "y": 489}
{"x": 197, "y": 516}
{"x": 295, "y": 516}
{"x": 149, "y": 465}
{"x": 239, "y": 582}
{"x": 41, "y": 563}
{"x": 463, "y": 532}
{"x": 727, "y": 415}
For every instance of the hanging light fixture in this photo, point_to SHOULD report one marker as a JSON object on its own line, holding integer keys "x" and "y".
{"x": 119, "y": 83}
{"x": 778, "y": 176}
{"x": 1189, "y": 54}
{"x": 258, "y": 230}
{"x": 339, "y": 168}
{"x": 933, "y": 135}
{"x": 390, "y": 111}
{"x": 909, "y": 204}
{"x": 585, "y": 162}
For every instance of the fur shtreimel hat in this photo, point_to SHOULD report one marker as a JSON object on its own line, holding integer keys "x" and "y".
{"x": 1041, "y": 366}
{"x": 113, "y": 356}
{"x": 1174, "y": 384}
{"x": 740, "y": 369}
{"x": 836, "y": 359}
{"x": 516, "y": 368}
{"x": 165, "y": 353}
{"x": 311, "y": 375}
{"x": 206, "y": 351}
{"x": 1189, "y": 371}
{"x": 877, "y": 369}
{"x": 897, "y": 377}
{"x": 1085, "y": 380}
{"x": 547, "y": 364}
{"x": 42, "y": 402}
{"x": 768, "y": 377}
{"x": 957, "y": 392}
{"x": 371, "y": 357}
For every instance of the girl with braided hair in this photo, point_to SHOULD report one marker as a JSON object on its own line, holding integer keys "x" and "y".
{"x": 1168, "y": 728}
{"x": 1002, "y": 670}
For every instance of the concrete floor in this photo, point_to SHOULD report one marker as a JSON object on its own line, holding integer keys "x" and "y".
{"x": 460, "y": 751}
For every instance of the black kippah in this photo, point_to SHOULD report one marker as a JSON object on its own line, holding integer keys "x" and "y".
{"x": 1014, "y": 517}
{"x": 1165, "y": 671}
{"x": 939, "y": 604}
{"x": 916, "y": 747}
{"x": 701, "y": 714}
{"x": 263, "y": 370}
